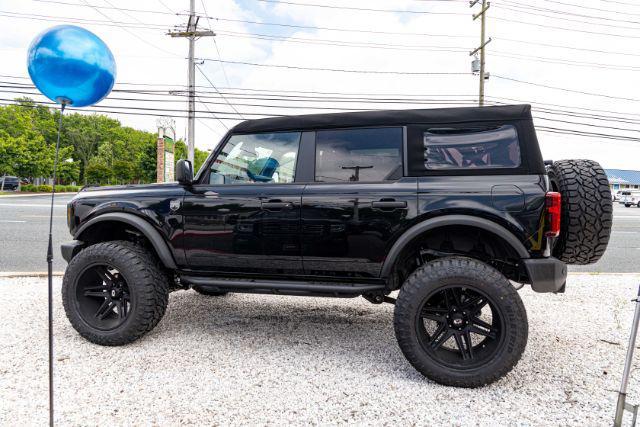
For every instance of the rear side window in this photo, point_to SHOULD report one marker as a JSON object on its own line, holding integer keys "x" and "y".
{"x": 451, "y": 149}
{"x": 350, "y": 155}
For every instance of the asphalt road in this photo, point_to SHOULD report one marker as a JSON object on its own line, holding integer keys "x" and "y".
{"x": 24, "y": 232}
{"x": 24, "y": 228}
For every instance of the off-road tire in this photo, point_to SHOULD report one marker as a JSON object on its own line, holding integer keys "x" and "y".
{"x": 587, "y": 209}
{"x": 146, "y": 278}
{"x": 460, "y": 271}
{"x": 205, "y": 291}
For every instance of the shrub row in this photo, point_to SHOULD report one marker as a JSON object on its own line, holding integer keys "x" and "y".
{"x": 47, "y": 188}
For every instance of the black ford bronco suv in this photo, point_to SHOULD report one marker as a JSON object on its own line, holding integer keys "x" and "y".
{"x": 454, "y": 208}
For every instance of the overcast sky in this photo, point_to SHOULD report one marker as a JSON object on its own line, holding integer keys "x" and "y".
{"x": 569, "y": 49}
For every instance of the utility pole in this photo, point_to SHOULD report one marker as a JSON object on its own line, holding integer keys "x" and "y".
{"x": 192, "y": 34}
{"x": 483, "y": 43}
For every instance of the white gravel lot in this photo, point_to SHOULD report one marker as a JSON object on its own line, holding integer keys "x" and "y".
{"x": 251, "y": 359}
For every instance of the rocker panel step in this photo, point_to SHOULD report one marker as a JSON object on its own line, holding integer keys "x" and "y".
{"x": 284, "y": 287}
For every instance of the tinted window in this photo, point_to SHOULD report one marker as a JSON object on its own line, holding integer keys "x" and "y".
{"x": 258, "y": 158}
{"x": 359, "y": 155}
{"x": 472, "y": 148}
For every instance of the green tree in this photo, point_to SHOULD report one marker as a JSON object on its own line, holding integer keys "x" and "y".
{"x": 97, "y": 172}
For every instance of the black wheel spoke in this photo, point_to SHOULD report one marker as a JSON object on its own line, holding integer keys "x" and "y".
{"x": 468, "y": 343}
{"x": 464, "y": 350}
{"x": 121, "y": 309}
{"x": 434, "y": 313}
{"x": 491, "y": 333}
{"x": 97, "y": 294}
{"x": 479, "y": 322}
{"x": 105, "y": 275}
{"x": 105, "y": 309}
{"x": 441, "y": 335}
{"x": 475, "y": 304}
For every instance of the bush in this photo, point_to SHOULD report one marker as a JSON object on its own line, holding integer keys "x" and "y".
{"x": 28, "y": 188}
{"x": 44, "y": 188}
{"x": 72, "y": 188}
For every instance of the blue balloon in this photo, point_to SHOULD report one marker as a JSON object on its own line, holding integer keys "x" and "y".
{"x": 70, "y": 64}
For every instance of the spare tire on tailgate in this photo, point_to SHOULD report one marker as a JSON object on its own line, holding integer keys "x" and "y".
{"x": 585, "y": 222}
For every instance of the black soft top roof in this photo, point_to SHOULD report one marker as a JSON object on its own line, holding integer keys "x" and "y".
{"x": 386, "y": 118}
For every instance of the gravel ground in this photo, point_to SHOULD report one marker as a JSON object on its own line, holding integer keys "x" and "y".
{"x": 251, "y": 359}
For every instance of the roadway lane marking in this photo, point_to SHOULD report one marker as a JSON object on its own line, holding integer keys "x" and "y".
{"x": 9, "y": 220}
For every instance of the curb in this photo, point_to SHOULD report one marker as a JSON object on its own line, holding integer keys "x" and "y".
{"x": 30, "y": 194}
{"x": 11, "y": 274}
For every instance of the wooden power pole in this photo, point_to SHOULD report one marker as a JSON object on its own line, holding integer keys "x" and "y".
{"x": 483, "y": 43}
{"x": 192, "y": 34}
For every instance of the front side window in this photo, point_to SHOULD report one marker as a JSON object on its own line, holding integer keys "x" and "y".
{"x": 447, "y": 149}
{"x": 257, "y": 159}
{"x": 371, "y": 155}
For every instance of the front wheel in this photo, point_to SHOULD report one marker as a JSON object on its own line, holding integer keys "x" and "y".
{"x": 460, "y": 322}
{"x": 114, "y": 292}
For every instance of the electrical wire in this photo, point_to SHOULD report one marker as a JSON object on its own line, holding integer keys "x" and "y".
{"x": 361, "y": 9}
{"x": 214, "y": 87}
{"x": 341, "y": 70}
{"x": 564, "y": 89}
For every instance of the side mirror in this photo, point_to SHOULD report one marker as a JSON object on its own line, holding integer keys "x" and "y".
{"x": 184, "y": 172}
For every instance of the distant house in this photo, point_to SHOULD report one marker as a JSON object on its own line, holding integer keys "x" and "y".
{"x": 622, "y": 179}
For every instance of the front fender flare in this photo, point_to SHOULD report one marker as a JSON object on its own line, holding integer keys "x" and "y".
{"x": 442, "y": 221}
{"x": 154, "y": 237}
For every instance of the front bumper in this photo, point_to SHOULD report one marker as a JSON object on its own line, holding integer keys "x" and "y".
{"x": 70, "y": 249}
{"x": 546, "y": 274}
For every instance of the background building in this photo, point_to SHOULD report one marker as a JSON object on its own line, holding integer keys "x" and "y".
{"x": 622, "y": 179}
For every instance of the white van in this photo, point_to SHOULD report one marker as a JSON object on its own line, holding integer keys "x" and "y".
{"x": 630, "y": 198}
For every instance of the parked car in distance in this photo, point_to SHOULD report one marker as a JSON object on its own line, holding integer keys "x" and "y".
{"x": 449, "y": 207}
{"x": 9, "y": 183}
{"x": 630, "y": 198}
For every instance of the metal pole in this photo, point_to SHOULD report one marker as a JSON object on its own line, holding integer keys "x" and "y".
{"x": 482, "y": 44}
{"x": 191, "y": 128}
{"x": 622, "y": 394}
{"x": 50, "y": 268}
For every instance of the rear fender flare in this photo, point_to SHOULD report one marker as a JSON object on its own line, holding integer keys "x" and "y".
{"x": 154, "y": 237}
{"x": 441, "y": 221}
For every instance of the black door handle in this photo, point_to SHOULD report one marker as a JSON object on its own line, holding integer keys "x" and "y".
{"x": 388, "y": 204}
{"x": 275, "y": 205}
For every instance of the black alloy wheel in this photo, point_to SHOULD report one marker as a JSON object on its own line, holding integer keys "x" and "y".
{"x": 460, "y": 327}
{"x": 460, "y": 322}
{"x": 115, "y": 292}
{"x": 103, "y": 297}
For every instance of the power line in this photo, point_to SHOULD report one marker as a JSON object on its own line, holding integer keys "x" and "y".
{"x": 50, "y": 18}
{"x": 509, "y": 4}
{"x": 582, "y": 6}
{"x": 148, "y": 43}
{"x": 215, "y": 44}
{"x": 222, "y": 96}
{"x": 570, "y": 62}
{"x": 510, "y": 20}
{"x": 341, "y": 70}
{"x": 331, "y": 42}
{"x": 339, "y": 29}
{"x": 362, "y": 9}
{"x": 527, "y": 42}
{"x": 110, "y": 7}
{"x": 565, "y": 89}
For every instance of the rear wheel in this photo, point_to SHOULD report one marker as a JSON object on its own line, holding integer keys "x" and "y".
{"x": 586, "y": 217}
{"x": 114, "y": 292}
{"x": 460, "y": 322}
